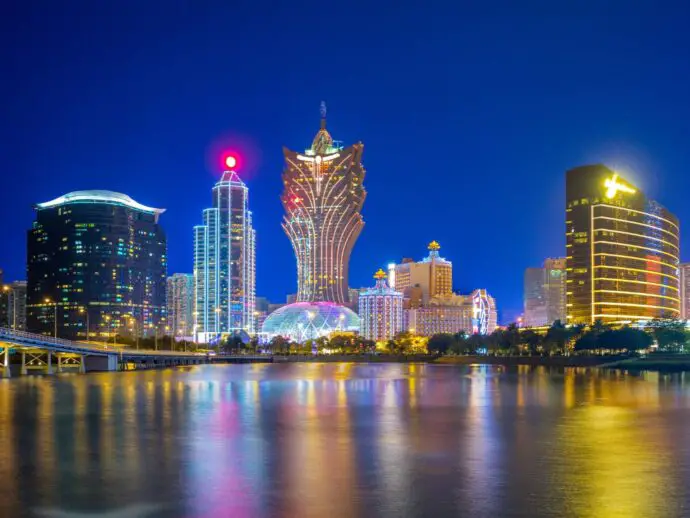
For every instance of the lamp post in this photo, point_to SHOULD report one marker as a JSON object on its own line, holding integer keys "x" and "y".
{"x": 83, "y": 311}
{"x": 135, "y": 329}
{"x": 109, "y": 319}
{"x": 54, "y": 304}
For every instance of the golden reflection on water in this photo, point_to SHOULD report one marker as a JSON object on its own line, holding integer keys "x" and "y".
{"x": 345, "y": 440}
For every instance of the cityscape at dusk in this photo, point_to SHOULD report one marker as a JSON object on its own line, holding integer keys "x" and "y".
{"x": 468, "y": 146}
{"x": 344, "y": 259}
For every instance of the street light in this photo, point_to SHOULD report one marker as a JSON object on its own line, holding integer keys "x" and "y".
{"x": 135, "y": 327}
{"x": 109, "y": 319}
{"x": 49, "y": 302}
{"x": 81, "y": 312}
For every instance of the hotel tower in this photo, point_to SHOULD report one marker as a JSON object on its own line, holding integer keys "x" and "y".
{"x": 323, "y": 195}
{"x": 224, "y": 271}
{"x": 622, "y": 251}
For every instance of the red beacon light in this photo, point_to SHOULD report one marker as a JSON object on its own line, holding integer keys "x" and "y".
{"x": 231, "y": 162}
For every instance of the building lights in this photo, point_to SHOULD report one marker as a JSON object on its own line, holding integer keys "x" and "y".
{"x": 622, "y": 254}
{"x": 323, "y": 197}
{"x": 224, "y": 263}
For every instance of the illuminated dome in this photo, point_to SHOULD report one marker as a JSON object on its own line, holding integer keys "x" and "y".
{"x": 309, "y": 320}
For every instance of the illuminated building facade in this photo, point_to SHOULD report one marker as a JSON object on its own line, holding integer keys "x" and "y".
{"x": 484, "y": 314}
{"x": 471, "y": 314}
{"x": 224, "y": 263}
{"x": 96, "y": 267}
{"x": 16, "y": 305}
{"x": 544, "y": 293}
{"x": 304, "y": 321}
{"x": 685, "y": 291}
{"x": 622, "y": 251}
{"x": 380, "y": 310}
{"x": 323, "y": 195}
{"x": 433, "y": 275}
{"x": 180, "y": 297}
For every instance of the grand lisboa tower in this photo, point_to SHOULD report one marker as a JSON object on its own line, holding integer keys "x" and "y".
{"x": 323, "y": 196}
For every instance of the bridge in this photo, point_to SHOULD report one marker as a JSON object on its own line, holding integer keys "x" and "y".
{"x": 37, "y": 353}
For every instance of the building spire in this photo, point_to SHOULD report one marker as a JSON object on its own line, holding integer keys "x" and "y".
{"x": 322, "y": 109}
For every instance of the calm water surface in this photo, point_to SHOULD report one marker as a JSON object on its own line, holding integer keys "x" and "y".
{"x": 346, "y": 440}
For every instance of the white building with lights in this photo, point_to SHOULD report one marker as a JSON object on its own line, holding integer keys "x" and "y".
{"x": 224, "y": 263}
{"x": 380, "y": 310}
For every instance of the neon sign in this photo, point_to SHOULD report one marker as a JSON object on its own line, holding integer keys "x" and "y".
{"x": 613, "y": 186}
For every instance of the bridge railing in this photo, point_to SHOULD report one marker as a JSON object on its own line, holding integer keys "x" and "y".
{"x": 36, "y": 337}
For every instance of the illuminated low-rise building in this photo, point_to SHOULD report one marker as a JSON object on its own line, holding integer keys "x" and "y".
{"x": 380, "y": 310}
{"x": 471, "y": 314}
{"x": 622, "y": 251}
{"x": 304, "y": 321}
{"x": 96, "y": 267}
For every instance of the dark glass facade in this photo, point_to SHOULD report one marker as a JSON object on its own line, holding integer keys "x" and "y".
{"x": 96, "y": 260}
{"x": 622, "y": 251}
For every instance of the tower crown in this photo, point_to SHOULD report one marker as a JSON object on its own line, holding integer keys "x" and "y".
{"x": 380, "y": 275}
{"x": 434, "y": 246}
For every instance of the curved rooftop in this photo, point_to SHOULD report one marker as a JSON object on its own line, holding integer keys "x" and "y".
{"x": 108, "y": 197}
{"x": 303, "y": 321}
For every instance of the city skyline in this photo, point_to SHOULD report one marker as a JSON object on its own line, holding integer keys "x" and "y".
{"x": 486, "y": 145}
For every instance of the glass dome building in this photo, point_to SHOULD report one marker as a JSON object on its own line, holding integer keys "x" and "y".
{"x": 304, "y": 321}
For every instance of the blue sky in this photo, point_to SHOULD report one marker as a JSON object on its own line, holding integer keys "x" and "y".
{"x": 470, "y": 114}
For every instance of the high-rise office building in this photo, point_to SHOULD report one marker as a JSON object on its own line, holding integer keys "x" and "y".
{"x": 323, "y": 195}
{"x": 685, "y": 291}
{"x": 544, "y": 293}
{"x": 224, "y": 262}
{"x": 380, "y": 310}
{"x": 96, "y": 267}
{"x": 16, "y": 305}
{"x": 180, "y": 296}
{"x": 433, "y": 276}
{"x": 622, "y": 251}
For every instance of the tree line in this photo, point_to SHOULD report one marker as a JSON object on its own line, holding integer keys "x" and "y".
{"x": 668, "y": 335}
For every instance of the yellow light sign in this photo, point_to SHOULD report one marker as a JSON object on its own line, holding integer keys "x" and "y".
{"x": 613, "y": 186}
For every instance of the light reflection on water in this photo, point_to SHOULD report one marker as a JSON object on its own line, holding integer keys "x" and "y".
{"x": 347, "y": 440}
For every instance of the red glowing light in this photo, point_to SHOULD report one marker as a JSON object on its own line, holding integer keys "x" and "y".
{"x": 231, "y": 162}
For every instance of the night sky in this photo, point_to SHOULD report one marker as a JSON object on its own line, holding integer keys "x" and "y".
{"x": 469, "y": 116}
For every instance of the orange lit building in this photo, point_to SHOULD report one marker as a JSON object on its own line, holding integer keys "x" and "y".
{"x": 433, "y": 275}
{"x": 622, "y": 251}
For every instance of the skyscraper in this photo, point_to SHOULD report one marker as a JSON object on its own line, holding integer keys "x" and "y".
{"x": 96, "y": 266}
{"x": 544, "y": 293}
{"x": 380, "y": 310}
{"x": 622, "y": 251}
{"x": 224, "y": 262}
{"x": 180, "y": 296}
{"x": 423, "y": 280}
{"x": 323, "y": 195}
